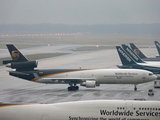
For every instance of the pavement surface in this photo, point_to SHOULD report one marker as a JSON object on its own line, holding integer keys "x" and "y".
{"x": 15, "y": 90}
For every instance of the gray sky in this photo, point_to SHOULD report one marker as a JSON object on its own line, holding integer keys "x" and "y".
{"x": 80, "y": 11}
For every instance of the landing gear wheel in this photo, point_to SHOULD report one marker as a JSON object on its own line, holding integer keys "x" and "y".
{"x": 73, "y": 88}
{"x": 69, "y": 88}
{"x": 77, "y": 88}
{"x": 135, "y": 88}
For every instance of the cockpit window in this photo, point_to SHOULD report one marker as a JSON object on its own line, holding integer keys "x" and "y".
{"x": 150, "y": 74}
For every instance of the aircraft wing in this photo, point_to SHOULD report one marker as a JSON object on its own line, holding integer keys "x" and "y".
{"x": 152, "y": 68}
{"x": 65, "y": 80}
{"x": 68, "y": 80}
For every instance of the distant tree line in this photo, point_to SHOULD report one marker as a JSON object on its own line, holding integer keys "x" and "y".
{"x": 99, "y": 28}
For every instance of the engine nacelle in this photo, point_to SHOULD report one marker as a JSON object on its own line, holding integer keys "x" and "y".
{"x": 23, "y": 65}
{"x": 89, "y": 84}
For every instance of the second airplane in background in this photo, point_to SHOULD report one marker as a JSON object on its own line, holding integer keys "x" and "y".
{"x": 141, "y": 55}
{"x": 136, "y": 58}
{"x": 129, "y": 62}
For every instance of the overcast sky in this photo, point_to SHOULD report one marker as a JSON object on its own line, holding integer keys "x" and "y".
{"x": 80, "y": 11}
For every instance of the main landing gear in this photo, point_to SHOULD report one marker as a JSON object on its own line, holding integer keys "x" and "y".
{"x": 135, "y": 87}
{"x": 73, "y": 88}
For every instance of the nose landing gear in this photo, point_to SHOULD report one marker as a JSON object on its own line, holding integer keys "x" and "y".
{"x": 135, "y": 87}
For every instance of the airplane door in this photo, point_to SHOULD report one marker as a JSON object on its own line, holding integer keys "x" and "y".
{"x": 115, "y": 81}
{"x": 82, "y": 75}
{"x": 144, "y": 76}
{"x": 45, "y": 117}
{"x": 129, "y": 106}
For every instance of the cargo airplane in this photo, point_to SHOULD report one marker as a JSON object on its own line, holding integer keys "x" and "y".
{"x": 83, "y": 110}
{"x": 90, "y": 78}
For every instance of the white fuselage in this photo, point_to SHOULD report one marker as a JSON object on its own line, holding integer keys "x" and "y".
{"x": 102, "y": 76}
{"x": 84, "y": 110}
{"x": 144, "y": 66}
{"x": 151, "y": 64}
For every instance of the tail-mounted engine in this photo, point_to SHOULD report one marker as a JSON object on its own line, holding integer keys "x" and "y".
{"x": 23, "y": 65}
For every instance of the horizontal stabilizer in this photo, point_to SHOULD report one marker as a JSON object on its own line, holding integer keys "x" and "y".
{"x": 17, "y": 73}
{"x": 7, "y": 61}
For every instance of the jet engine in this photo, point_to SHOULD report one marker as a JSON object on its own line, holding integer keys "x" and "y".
{"x": 89, "y": 84}
{"x": 23, "y": 65}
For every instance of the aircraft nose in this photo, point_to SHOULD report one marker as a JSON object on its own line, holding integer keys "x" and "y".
{"x": 151, "y": 76}
{"x": 154, "y": 77}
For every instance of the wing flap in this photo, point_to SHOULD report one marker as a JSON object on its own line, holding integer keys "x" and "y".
{"x": 74, "y": 80}
{"x": 65, "y": 79}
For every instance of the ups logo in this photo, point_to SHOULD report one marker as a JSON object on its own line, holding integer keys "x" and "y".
{"x": 136, "y": 51}
{"x": 15, "y": 54}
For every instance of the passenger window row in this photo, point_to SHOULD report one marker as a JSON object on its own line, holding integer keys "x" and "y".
{"x": 149, "y": 108}
{"x": 123, "y": 108}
